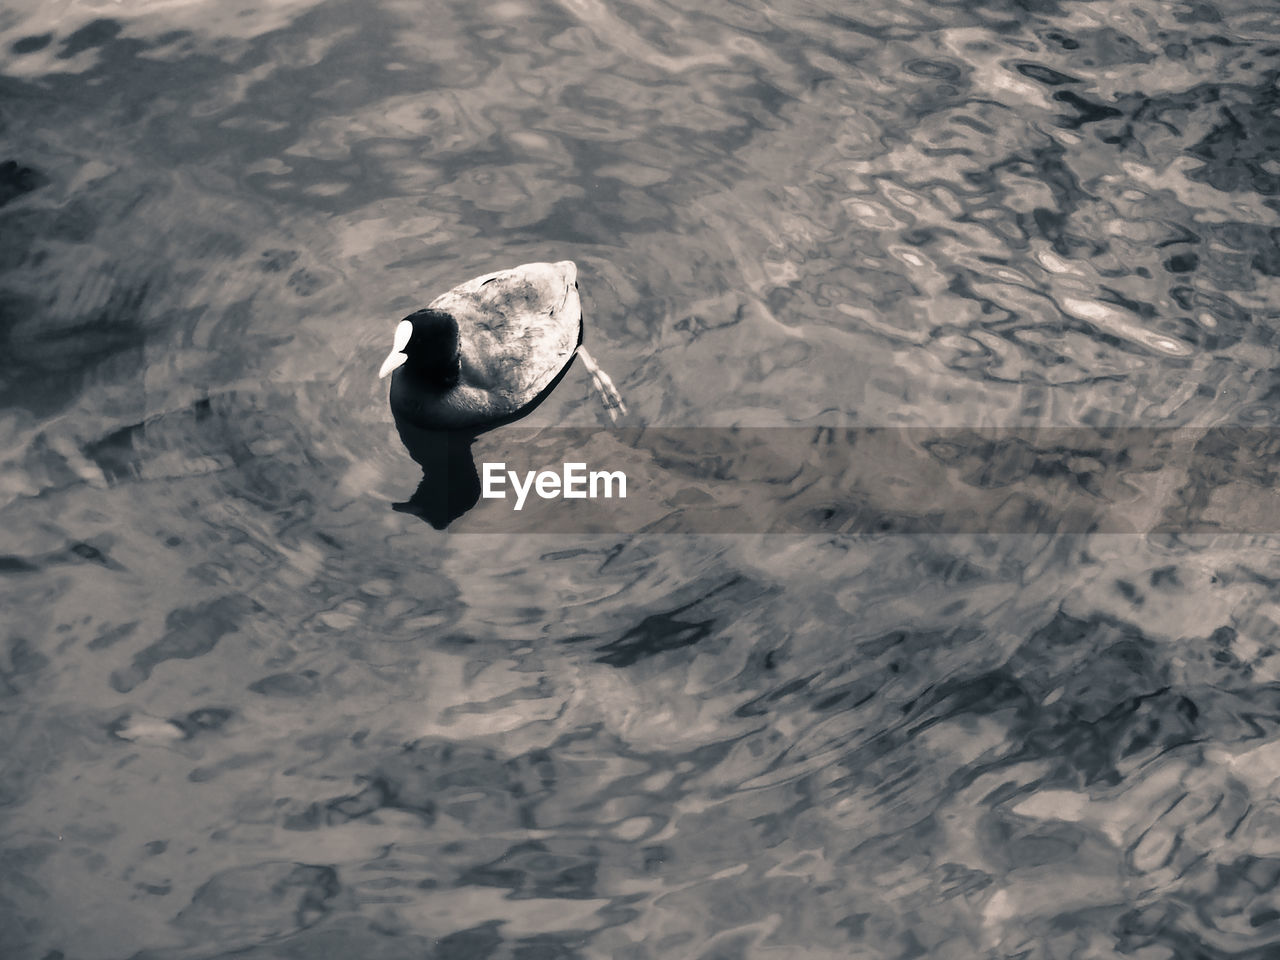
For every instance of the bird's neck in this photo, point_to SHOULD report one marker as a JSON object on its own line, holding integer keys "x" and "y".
{"x": 436, "y": 371}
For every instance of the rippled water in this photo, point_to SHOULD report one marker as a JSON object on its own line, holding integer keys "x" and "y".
{"x": 248, "y": 709}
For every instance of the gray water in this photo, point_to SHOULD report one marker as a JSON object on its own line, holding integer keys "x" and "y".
{"x": 249, "y": 709}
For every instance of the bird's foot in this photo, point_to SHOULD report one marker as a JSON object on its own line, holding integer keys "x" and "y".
{"x": 609, "y": 395}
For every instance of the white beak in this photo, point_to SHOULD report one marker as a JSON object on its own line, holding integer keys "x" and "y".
{"x": 394, "y": 359}
{"x": 397, "y": 356}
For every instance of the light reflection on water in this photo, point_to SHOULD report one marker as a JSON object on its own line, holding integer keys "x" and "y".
{"x": 250, "y": 710}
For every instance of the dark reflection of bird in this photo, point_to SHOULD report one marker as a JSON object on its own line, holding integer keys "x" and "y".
{"x": 483, "y": 354}
{"x": 450, "y": 485}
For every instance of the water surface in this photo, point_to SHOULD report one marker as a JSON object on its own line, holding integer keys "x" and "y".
{"x": 250, "y": 710}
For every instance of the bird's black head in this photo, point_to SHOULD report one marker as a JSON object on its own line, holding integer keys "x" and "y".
{"x": 426, "y": 345}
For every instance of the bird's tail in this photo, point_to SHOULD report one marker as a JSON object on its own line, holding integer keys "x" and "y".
{"x": 604, "y": 386}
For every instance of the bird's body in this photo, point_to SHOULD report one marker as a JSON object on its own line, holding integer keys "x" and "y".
{"x": 515, "y": 331}
{"x": 484, "y": 353}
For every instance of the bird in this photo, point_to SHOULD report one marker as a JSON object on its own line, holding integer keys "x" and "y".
{"x": 490, "y": 350}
